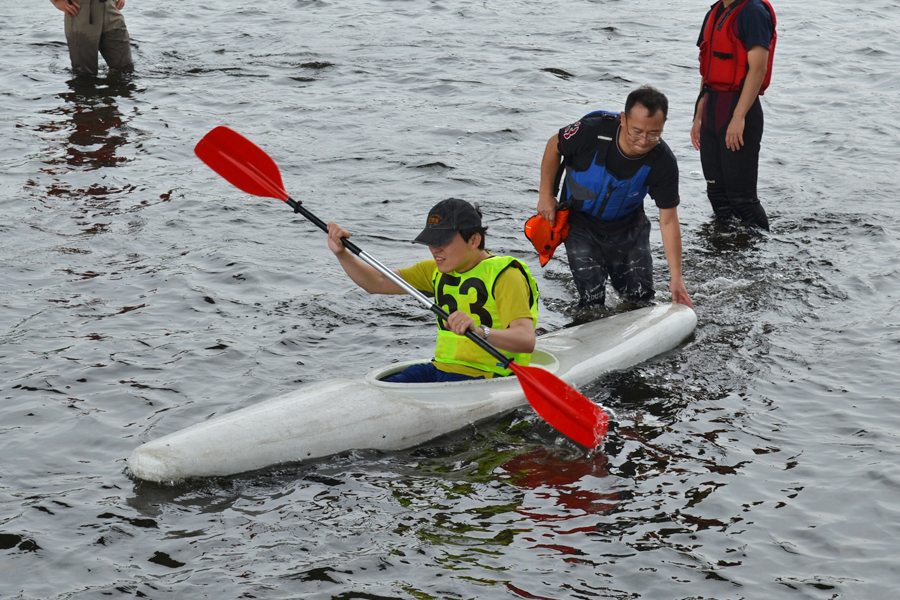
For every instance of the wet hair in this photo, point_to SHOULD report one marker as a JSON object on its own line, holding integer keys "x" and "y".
{"x": 468, "y": 233}
{"x": 650, "y": 98}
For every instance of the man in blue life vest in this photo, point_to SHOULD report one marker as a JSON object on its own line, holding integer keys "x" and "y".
{"x": 612, "y": 161}
{"x": 495, "y": 296}
{"x": 737, "y": 45}
{"x": 94, "y": 26}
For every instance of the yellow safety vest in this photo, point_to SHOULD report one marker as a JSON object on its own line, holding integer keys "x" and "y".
{"x": 473, "y": 293}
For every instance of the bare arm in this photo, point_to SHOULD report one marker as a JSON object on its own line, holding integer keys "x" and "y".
{"x": 549, "y": 167}
{"x": 671, "y": 237}
{"x": 758, "y": 61}
{"x": 70, "y": 8}
{"x": 363, "y": 275}
{"x": 698, "y": 119}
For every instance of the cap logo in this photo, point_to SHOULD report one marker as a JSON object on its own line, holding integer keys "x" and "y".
{"x": 434, "y": 219}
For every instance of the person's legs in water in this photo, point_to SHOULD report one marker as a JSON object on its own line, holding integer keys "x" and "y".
{"x": 715, "y": 180}
{"x": 716, "y": 113}
{"x": 631, "y": 264}
{"x": 83, "y": 33}
{"x": 731, "y": 176}
{"x": 741, "y": 171}
{"x": 587, "y": 265}
{"x": 98, "y": 28}
{"x": 115, "y": 44}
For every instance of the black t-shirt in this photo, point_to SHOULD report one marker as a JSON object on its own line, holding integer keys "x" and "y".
{"x": 578, "y": 143}
{"x": 754, "y": 24}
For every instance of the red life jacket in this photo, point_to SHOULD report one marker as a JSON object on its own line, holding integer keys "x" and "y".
{"x": 723, "y": 57}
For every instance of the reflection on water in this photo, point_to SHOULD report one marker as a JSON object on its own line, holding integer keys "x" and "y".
{"x": 552, "y": 475}
{"x": 759, "y": 460}
{"x": 92, "y": 121}
{"x": 86, "y": 134}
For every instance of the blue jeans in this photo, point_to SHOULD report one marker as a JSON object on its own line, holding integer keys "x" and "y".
{"x": 426, "y": 373}
{"x": 625, "y": 258}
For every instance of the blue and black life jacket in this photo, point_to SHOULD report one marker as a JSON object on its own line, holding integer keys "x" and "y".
{"x": 593, "y": 190}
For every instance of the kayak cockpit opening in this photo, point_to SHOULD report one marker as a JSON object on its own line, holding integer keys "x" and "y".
{"x": 539, "y": 358}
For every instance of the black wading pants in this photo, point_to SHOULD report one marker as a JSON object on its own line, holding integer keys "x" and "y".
{"x": 731, "y": 175}
{"x": 623, "y": 257}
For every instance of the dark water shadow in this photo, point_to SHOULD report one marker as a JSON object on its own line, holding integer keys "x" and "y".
{"x": 715, "y": 236}
{"x": 86, "y": 133}
{"x": 549, "y": 469}
{"x": 90, "y": 116}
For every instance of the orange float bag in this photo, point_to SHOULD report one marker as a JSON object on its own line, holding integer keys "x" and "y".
{"x": 547, "y": 237}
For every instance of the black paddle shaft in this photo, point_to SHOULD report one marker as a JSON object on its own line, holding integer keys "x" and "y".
{"x": 437, "y": 310}
{"x": 298, "y": 208}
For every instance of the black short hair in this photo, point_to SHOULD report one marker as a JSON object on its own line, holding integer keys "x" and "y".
{"x": 650, "y": 98}
{"x": 468, "y": 233}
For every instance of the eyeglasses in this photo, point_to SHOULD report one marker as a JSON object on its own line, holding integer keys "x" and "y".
{"x": 653, "y": 139}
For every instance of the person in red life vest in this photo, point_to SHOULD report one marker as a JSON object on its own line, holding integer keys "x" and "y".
{"x": 494, "y": 296}
{"x": 737, "y": 45}
{"x": 612, "y": 161}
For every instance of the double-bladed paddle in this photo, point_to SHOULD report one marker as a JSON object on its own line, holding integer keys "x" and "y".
{"x": 250, "y": 169}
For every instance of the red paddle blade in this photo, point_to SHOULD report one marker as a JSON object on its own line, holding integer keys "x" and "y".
{"x": 244, "y": 164}
{"x": 562, "y": 406}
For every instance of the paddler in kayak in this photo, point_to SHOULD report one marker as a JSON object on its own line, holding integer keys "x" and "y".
{"x": 495, "y": 296}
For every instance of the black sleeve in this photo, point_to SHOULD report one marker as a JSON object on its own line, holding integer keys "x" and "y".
{"x": 663, "y": 179}
{"x": 755, "y": 25}
{"x": 577, "y": 138}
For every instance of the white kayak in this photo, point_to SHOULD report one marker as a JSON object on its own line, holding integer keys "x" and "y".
{"x": 338, "y": 415}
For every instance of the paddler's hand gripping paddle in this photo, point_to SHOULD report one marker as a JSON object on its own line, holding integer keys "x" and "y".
{"x": 250, "y": 169}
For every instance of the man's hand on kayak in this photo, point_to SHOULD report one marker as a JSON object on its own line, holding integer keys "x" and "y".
{"x": 679, "y": 293}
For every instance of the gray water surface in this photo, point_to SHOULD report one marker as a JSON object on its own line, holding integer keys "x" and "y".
{"x": 140, "y": 293}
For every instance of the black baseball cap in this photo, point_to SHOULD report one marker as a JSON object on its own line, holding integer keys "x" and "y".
{"x": 446, "y": 219}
